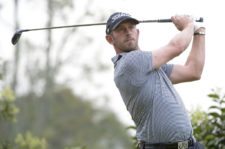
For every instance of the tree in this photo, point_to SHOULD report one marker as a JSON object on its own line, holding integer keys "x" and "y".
{"x": 43, "y": 64}
{"x": 209, "y": 127}
{"x": 71, "y": 121}
{"x": 47, "y": 108}
{"x": 8, "y": 113}
{"x": 17, "y": 48}
{"x": 8, "y": 110}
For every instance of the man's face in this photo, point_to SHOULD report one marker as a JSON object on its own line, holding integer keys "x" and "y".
{"x": 125, "y": 37}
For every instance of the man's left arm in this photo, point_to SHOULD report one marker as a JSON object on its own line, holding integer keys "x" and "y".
{"x": 193, "y": 67}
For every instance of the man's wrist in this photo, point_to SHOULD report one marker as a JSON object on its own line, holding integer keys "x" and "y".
{"x": 198, "y": 26}
{"x": 200, "y": 31}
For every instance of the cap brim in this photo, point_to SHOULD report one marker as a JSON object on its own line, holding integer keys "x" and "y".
{"x": 125, "y": 19}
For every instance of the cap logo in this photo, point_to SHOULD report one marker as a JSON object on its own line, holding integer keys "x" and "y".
{"x": 114, "y": 18}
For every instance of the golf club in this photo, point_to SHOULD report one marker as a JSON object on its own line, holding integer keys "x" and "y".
{"x": 18, "y": 33}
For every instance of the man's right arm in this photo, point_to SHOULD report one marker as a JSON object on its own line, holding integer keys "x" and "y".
{"x": 177, "y": 44}
{"x": 192, "y": 69}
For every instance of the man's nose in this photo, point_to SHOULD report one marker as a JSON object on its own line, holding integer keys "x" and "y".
{"x": 127, "y": 30}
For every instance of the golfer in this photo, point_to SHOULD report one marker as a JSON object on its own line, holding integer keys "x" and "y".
{"x": 145, "y": 80}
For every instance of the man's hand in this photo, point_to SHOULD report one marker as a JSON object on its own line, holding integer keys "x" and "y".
{"x": 182, "y": 21}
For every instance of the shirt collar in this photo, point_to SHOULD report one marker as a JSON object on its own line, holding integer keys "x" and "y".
{"x": 117, "y": 57}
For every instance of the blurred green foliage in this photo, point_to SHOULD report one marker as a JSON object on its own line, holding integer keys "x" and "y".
{"x": 209, "y": 127}
{"x": 8, "y": 109}
{"x": 61, "y": 120}
{"x": 133, "y": 137}
{"x": 28, "y": 141}
{"x": 67, "y": 120}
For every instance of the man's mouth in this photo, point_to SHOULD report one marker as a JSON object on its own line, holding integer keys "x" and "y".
{"x": 129, "y": 39}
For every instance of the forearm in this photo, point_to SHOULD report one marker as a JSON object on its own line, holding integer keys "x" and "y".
{"x": 177, "y": 44}
{"x": 196, "y": 58}
{"x": 182, "y": 40}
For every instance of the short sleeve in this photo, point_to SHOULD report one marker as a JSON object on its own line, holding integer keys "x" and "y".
{"x": 167, "y": 68}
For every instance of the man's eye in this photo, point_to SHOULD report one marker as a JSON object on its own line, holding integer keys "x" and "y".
{"x": 132, "y": 27}
{"x": 120, "y": 29}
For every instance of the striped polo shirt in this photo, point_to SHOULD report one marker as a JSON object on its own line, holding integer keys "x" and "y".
{"x": 155, "y": 106}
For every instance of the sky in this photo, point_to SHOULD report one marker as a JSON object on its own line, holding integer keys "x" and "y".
{"x": 152, "y": 36}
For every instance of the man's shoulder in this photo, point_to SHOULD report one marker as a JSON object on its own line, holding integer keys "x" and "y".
{"x": 135, "y": 55}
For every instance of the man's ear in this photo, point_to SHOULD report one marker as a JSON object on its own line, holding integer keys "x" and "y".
{"x": 109, "y": 39}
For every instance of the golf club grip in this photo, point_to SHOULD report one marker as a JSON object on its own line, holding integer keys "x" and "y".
{"x": 164, "y": 20}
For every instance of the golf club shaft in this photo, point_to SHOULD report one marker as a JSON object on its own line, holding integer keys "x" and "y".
{"x": 58, "y": 27}
{"x": 17, "y": 35}
{"x": 96, "y": 24}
